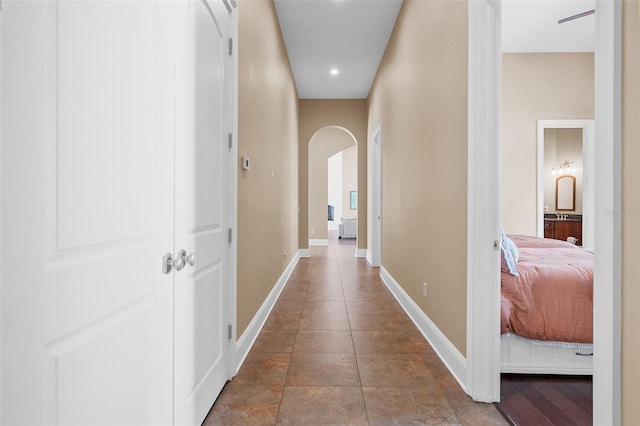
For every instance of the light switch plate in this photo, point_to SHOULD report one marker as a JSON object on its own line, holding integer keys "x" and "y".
{"x": 246, "y": 163}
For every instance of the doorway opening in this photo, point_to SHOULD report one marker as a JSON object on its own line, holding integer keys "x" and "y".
{"x": 333, "y": 182}
{"x": 342, "y": 183}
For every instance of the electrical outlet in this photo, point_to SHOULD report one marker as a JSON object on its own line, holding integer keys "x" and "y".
{"x": 313, "y": 231}
{"x": 424, "y": 289}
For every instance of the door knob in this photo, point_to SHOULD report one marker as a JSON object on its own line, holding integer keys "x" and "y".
{"x": 167, "y": 263}
{"x": 180, "y": 260}
{"x": 191, "y": 259}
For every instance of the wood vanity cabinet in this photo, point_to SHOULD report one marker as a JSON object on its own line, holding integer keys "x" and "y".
{"x": 562, "y": 229}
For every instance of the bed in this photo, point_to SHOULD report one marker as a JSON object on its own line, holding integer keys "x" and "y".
{"x": 546, "y": 307}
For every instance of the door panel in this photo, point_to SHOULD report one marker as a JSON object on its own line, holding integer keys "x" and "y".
{"x": 87, "y": 212}
{"x": 202, "y": 202}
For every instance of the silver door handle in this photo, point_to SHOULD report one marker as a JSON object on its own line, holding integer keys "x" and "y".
{"x": 167, "y": 263}
{"x": 180, "y": 260}
{"x": 191, "y": 259}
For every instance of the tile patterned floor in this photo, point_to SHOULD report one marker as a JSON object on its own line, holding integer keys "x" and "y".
{"x": 338, "y": 349}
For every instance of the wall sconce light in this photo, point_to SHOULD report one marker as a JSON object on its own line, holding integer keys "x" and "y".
{"x": 564, "y": 169}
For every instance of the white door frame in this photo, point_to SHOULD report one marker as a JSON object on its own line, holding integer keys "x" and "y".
{"x": 588, "y": 161}
{"x": 483, "y": 201}
{"x": 483, "y": 344}
{"x": 375, "y": 256}
{"x": 607, "y": 218}
{"x": 232, "y": 364}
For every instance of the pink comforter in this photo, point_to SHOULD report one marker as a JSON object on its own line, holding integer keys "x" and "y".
{"x": 552, "y": 298}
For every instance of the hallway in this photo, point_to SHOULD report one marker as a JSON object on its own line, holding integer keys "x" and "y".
{"x": 338, "y": 349}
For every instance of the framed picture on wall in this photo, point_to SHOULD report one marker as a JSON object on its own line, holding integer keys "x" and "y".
{"x": 353, "y": 197}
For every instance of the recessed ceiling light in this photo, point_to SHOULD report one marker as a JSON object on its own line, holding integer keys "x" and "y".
{"x": 334, "y": 71}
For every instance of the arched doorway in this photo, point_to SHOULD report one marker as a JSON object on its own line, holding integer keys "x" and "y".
{"x": 332, "y": 184}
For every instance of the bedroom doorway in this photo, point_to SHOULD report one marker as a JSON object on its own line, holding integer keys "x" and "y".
{"x": 483, "y": 345}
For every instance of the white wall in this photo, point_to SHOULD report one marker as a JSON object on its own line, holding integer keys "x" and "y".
{"x": 334, "y": 181}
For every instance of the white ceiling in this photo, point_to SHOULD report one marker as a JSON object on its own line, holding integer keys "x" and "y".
{"x": 532, "y": 26}
{"x": 351, "y": 35}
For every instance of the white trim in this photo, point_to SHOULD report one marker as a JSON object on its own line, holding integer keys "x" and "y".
{"x": 248, "y": 338}
{"x": 448, "y": 353}
{"x": 304, "y": 253}
{"x": 607, "y": 201}
{"x": 369, "y": 258}
{"x": 587, "y": 127}
{"x": 233, "y": 210}
{"x": 483, "y": 201}
{"x": 361, "y": 252}
{"x": 319, "y": 242}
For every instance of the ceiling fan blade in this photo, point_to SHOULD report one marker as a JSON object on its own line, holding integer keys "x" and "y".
{"x": 578, "y": 16}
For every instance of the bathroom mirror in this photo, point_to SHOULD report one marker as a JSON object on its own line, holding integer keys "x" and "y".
{"x": 566, "y": 193}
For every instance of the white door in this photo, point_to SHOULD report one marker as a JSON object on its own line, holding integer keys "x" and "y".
{"x": 87, "y": 212}
{"x": 202, "y": 203}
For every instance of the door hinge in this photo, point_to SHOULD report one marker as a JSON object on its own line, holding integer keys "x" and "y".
{"x": 230, "y": 331}
{"x": 230, "y": 140}
{"x": 230, "y": 46}
{"x": 496, "y": 245}
{"x": 230, "y": 235}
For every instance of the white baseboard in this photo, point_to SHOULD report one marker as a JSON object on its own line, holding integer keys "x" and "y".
{"x": 319, "y": 242}
{"x": 369, "y": 257}
{"x": 248, "y": 338}
{"x": 448, "y": 353}
{"x": 361, "y": 252}
{"x": 304, "y": 253}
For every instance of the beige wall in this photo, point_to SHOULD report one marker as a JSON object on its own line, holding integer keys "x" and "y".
{"x": 316, "y": 114}
{"x": 536, "y": 86}
{"x": 562, "y": 145}
{"x": 420, "y": 97}
{"x": 268, "y": 134}
{"x": 324, "y": 144}
{"x": 349, "y": 179}
{"x": 631, "y": 216}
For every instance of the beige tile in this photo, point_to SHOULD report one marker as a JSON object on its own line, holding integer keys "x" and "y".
{"x": 389, "y": 342}
{"x": 323, "y": 369}
{"x": 325, "y": 341}
{"x": 292, "y": 295}
{"x": 377, "y": 322}
{"x": 369, "y": 296}
{"x": 322, "y": 405}
{"x": 263, "y": 369}
{"x": 379, "y": 307}
{"x": 394, "y": 370}
{"x": 275, "y": 341}
{"x": 403, "y": 406}
{"x": 296, "y": 285}
{"x": 327, "y": 306}
{"x": 364, "y": 286}
{"x": 282, "y": 321}
{"x": 246, "y": 404}
{"x": 323, "y": 321}
{"x": 288, "y": 306}
{"x": 324, "y": 294}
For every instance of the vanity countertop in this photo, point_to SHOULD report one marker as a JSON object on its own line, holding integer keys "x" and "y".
{"x": 549, "y": 219}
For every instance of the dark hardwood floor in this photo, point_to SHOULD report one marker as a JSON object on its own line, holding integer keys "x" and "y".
{"x": 546, "y": 400}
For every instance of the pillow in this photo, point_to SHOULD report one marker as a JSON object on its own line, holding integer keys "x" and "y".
{"x": 510, "y": 255}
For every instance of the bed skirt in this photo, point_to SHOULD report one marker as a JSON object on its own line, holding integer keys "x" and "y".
{"x": 525, "y": 356}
